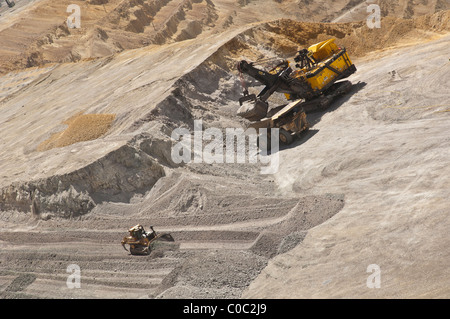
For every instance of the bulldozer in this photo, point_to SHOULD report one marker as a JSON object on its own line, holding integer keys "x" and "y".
{"x": 140, "y": 241}
{"x": 311, "y": 87}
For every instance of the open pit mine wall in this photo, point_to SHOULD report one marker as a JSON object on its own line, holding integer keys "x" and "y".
{"x": 114, "y": 177}
{"x": 130, "y": 169}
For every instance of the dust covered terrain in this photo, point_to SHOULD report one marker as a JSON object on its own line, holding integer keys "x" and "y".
{"x": 86, "y": 122}
{"x": 390, "y": 159}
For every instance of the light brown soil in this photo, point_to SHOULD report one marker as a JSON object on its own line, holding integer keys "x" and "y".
{"x": 80, "y": 128}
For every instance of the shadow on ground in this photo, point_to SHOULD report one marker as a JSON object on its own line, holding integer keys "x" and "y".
{"x": 315, "y": 117}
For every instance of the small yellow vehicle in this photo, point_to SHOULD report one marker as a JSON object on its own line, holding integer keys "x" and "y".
{"x": 140, "y": 240}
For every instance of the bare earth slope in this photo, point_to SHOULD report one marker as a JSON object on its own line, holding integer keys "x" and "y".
{"x": 35, "y": 32}
{"x": 85, "y": 154}
{"x": 389, "y": 156}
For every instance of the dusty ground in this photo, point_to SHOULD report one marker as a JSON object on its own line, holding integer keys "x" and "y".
{"x": 389, "y": 157}
{"x": 369, "y": 183}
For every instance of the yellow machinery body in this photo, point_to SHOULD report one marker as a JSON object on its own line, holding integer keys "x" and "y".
{"x": 329, "y": 57}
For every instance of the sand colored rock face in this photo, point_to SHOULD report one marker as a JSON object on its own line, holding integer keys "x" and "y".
{"x": 367, "y": 185}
